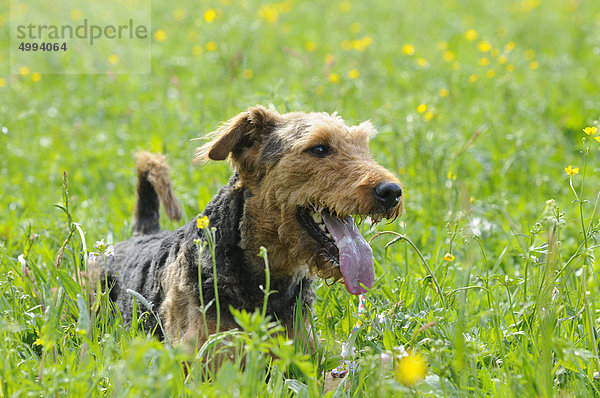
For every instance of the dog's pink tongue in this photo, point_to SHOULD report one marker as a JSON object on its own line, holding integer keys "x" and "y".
{"x": 356, "y": 256}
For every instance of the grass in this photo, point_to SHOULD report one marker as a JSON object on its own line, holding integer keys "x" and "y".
{"x": 480, "y": 107}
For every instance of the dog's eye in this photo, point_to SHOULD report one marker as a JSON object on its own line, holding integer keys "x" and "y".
{"x": 320, "y": 151}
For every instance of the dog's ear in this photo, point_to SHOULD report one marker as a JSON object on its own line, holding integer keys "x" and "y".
{"x": 238, "y": 135}
{"x": 366, "y": 129}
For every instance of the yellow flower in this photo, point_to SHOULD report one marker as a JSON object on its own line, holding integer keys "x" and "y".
{"x": 471, "y": 35}
{"x": 572, "y": 170}
{"x": 491, "y": 73}
{"x": 473, "y": 78}
{"x": 329, "y": 59}
{"x": 311, "y": 46}
{"x": 345, "y": 6}
{"x": 75, "y": 14}
{"x": 502, "y": 59}
{"x": 355, "y": 27}
{"x": 449, "y": 257}
{"x": 23, "y": 70}
{"x": 408, "y": 49}
{"x": 36, "y": 77}
{"x": 422, "y": 62}
{"x": 484, "y": 61}
{"x": 534, "y": 65}
{"x": 247, "y": 74}
{"x": 160, "y": 35}
{"x": 590, "y": 130}
{"x": 411, "y": 369}
{"x": 365, "y": 42}
{"x": 428, "y": 116}
{"x": 509, "y": 46}
{"x": 211, "y": 46}
{"x": 197, "y": 50}
{"x": 448, "y": 56}
{"x": 529, "y": 55}
{"x": 210, "y": 15}
{"x": 444, "y": 92}
{"x": 113, "y": 59}
{"x": 597, "y": 138}
{"x": 353, "y": 74}
{"x": 269, "y": 13}
{"x": 361, "y": 44}
{"x": 179, "y": 14}
{"x": 2, "y": 82}
{"x": 202, "y": 222}
{"x": 484, "y": 46}
{"x": 510, "y": 67}
{"x": 422, "y": 108}
{"x": 334, "y": 77}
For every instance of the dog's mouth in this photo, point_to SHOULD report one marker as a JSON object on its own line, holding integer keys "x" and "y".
{"x": 343, "y": 245}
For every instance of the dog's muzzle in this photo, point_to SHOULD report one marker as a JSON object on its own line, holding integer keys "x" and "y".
{"x": 388, "y": 194}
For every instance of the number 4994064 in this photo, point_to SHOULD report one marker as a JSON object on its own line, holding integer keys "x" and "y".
{"x": 44, "y": 46}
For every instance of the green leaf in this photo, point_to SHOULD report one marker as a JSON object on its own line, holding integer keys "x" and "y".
{"x": 83, "y": 322}
{"x": 388, "y": 339}
{"x": 72, "y": 288}
{"x": 298, "y": 387}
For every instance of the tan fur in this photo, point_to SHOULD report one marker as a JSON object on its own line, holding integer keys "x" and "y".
{"x": 180, "y": 311}
{"x": 278, "y": 177}
{"x": 157, "y": 169}
{"x": 343, "y": 184}
{"x": 228, "y": 136}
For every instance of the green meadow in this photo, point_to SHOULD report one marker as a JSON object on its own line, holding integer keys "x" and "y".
{"x": 488, "y": 285}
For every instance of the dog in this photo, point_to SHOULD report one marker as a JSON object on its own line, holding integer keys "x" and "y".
{"x": 298, "y": 180}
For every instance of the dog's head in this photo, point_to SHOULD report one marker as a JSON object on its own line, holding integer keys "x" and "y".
{"x": 309, "y": 173}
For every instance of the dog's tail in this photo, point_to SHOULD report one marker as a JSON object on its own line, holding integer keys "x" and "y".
{"x": 153, "y": 186}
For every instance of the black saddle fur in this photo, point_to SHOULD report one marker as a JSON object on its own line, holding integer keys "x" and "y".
{"x": 139, "y": 264}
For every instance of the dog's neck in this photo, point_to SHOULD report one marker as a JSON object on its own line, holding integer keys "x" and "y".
{"x": 240, "y": 231}
{"x": 264, "y": 224}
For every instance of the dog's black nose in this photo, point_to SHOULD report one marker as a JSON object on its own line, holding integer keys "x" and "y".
{"x": 388, "y": 193}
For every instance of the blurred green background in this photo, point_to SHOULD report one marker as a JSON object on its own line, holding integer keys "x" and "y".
{"x": 526, "y": 78}
{"x": 479, "y": 105}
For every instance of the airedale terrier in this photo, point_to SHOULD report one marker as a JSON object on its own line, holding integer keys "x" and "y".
{"x": 298, "y": 180}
